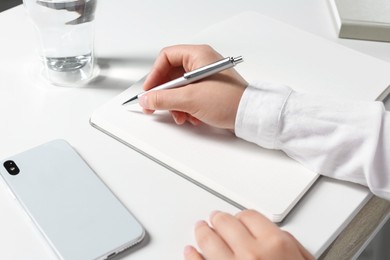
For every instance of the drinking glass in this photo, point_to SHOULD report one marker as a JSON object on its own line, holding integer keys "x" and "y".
{"x": 66, "y": 32}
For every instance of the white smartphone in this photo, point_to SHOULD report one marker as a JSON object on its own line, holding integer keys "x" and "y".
{"x": 69, "y": 204}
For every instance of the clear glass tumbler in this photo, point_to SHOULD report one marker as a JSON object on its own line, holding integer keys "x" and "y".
{"x": 66, "y": 33}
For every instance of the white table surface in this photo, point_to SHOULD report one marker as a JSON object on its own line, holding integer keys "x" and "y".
{"x": 129, "y": 36}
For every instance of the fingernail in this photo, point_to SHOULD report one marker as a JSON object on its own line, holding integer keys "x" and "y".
{"x": 215, "y": 212}
{"x": 200, "y": 223}
{"x": 188, "y": 250}
{"x": 143, "y": 101}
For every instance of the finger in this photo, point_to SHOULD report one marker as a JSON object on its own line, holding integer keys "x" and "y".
{"x": 147, "y": 111}
{"x": 190, "y": 253}
{"x": 170, "y": 99}
{"x": 170, "y": 61}
{"x": 306, "y": 254}
{"x": 262, "y": 229}
{"x": 257, "y": 224}
{"x": 173, "y": 61}
{"x": 179, "y": 117}
{"x": 235, "y": 234}
{"x": 210, "y": 243}
{"x": 162, "y": 74}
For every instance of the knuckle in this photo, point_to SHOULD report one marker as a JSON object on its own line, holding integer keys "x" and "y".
{"x": 165, "y": 50}
{"x": 246, "y": 213}
{"x": 219, "y": 218}
{"x": 157, "y": 101}
{"x": 279, "y": 242}
{"x": 207, "y": 47}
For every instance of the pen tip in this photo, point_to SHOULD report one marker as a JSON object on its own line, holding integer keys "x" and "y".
{"x": 131, "y": 101}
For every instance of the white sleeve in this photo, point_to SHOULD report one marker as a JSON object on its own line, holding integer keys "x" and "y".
{"x": 341, "y": 139}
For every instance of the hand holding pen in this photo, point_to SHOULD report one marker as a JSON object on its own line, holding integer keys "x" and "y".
{"x": 213, "y": 100}
{"x": 192, "y": 76}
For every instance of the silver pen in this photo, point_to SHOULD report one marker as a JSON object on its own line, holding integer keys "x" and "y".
{"x": 193, "y": 76}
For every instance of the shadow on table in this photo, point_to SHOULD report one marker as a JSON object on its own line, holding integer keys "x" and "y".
{"x": 119, "y": 72}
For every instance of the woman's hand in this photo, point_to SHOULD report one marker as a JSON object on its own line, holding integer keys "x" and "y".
{"x": 213, "y": 100}
{"x": 247, "y": 235}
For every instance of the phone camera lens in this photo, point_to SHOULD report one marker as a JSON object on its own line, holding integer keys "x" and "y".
{"x": 11, "y": 167}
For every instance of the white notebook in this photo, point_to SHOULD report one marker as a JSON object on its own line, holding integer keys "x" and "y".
{"x": 240, "y": 172}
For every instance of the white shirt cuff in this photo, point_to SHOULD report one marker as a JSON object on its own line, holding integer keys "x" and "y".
{"x": 259, "y": 112}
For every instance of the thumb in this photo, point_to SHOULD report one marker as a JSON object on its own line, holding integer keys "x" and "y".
{"x": 170, "y": 99}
